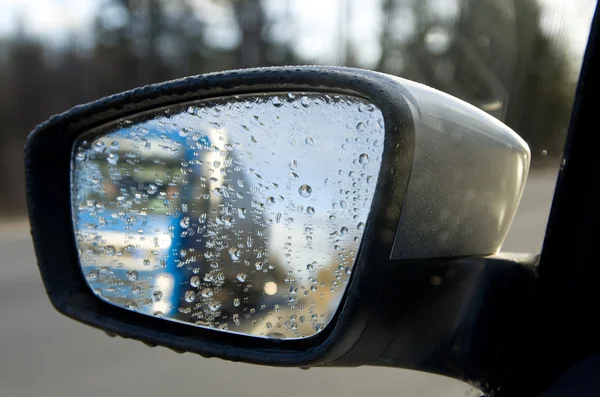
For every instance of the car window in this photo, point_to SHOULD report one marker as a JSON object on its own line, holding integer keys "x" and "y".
{"x": 518, "y": 60}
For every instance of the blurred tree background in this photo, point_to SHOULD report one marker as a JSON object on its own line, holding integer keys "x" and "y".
{"x": 491, "y": 53}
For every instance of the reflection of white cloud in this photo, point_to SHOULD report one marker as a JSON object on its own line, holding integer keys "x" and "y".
{"x": 163, "y": 289}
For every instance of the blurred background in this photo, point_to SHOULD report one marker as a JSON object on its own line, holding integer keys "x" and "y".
{"x": 516, "y": 59}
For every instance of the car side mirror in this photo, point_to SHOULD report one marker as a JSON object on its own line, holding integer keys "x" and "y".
{"x": 297, "y": 216}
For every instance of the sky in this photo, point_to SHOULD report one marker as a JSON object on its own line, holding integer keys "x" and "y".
{"x": 52, "y": 19}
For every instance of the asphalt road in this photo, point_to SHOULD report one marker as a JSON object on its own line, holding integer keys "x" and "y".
{"x": 45, "y": 354}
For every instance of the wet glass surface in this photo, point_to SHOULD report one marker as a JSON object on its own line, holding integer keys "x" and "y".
{"x": 242, "y": 214}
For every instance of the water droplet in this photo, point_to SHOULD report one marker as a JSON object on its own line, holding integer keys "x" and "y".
{"x": 369, "y": 179}
{"x": 146, "y": 262}
{"x": 112, "y": 158}
{"x": 189, "y": 296}
{"x": 309, "y": 141}
{"x": 343, "y": 204}
{"x": 310, "y": 267}
{"x": 236, "y": 302}
{"x": 242, "y": 213}
{"x": 157, "y": 295}
{"x": 185, "y": 222}
{"x": 235, "y": 253}
{"x": 360, "y": 226}
{"x": 92, "y": 275}
{"x": 258, "y": 265}
{"x": 293, "y": 164}
{"x": 310, "y": 210}
{"x": 363, "y": 158}
{"x": 305, "y": 190}
{"x": 131, "y": 306}
{"x": 293, "y": 175}
{"x": 544, "y": 152}
{"x": 151, "y": 189}
{"x": 276, "y": 102}
{"x": 360, "y": 126}
{"x": 132, "y": 275}
{"x": 348, "y": 270}
{"x": 270, "y": 200}
{"x": 241, "y": 277}
{"x": 110, "y": 250}
{"x": 305, "y": 101}
{"x": 195, "y": 281}
{"x": 343, "y": 230}
{"x": 214, "y": 306}
{"x": 207, "y": 293}
{"x": 332, "y": 217}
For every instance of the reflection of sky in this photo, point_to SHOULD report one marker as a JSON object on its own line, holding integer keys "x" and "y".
{"x": 302, "y": 168}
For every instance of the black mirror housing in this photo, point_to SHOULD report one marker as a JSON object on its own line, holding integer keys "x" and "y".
{"x": 413, "y": 300}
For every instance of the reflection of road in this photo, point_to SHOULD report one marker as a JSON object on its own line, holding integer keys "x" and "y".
{"x": 47, "y": 354}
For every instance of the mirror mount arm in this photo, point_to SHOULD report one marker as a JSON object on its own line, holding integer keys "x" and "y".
{"x": 469, "y": 318}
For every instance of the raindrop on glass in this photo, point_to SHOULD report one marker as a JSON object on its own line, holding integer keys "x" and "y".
{"x": 132, "y": 275}
{"x": 110, "y": 250}
{"x": 276, "y": 102}
{"x": 190, "y": 296}
{"x": 185, "y": 222}
{"x": 235, "y": 253}
{"x": 195, "y": 281}
{"x": 92, "y": 275}
{"x": 112, "y": 158}
{"x": 363, "y": 159}
{"x": 305, "y": 101}
{"x": 305, "y": 190}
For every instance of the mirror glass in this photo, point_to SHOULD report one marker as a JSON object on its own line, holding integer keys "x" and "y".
{"x": 242, "y": 214}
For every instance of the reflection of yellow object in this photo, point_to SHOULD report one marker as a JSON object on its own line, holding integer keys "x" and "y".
{"x": 270, "y": 288}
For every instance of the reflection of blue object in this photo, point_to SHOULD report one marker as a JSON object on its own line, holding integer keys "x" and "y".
{"x": 186, "y": 195}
